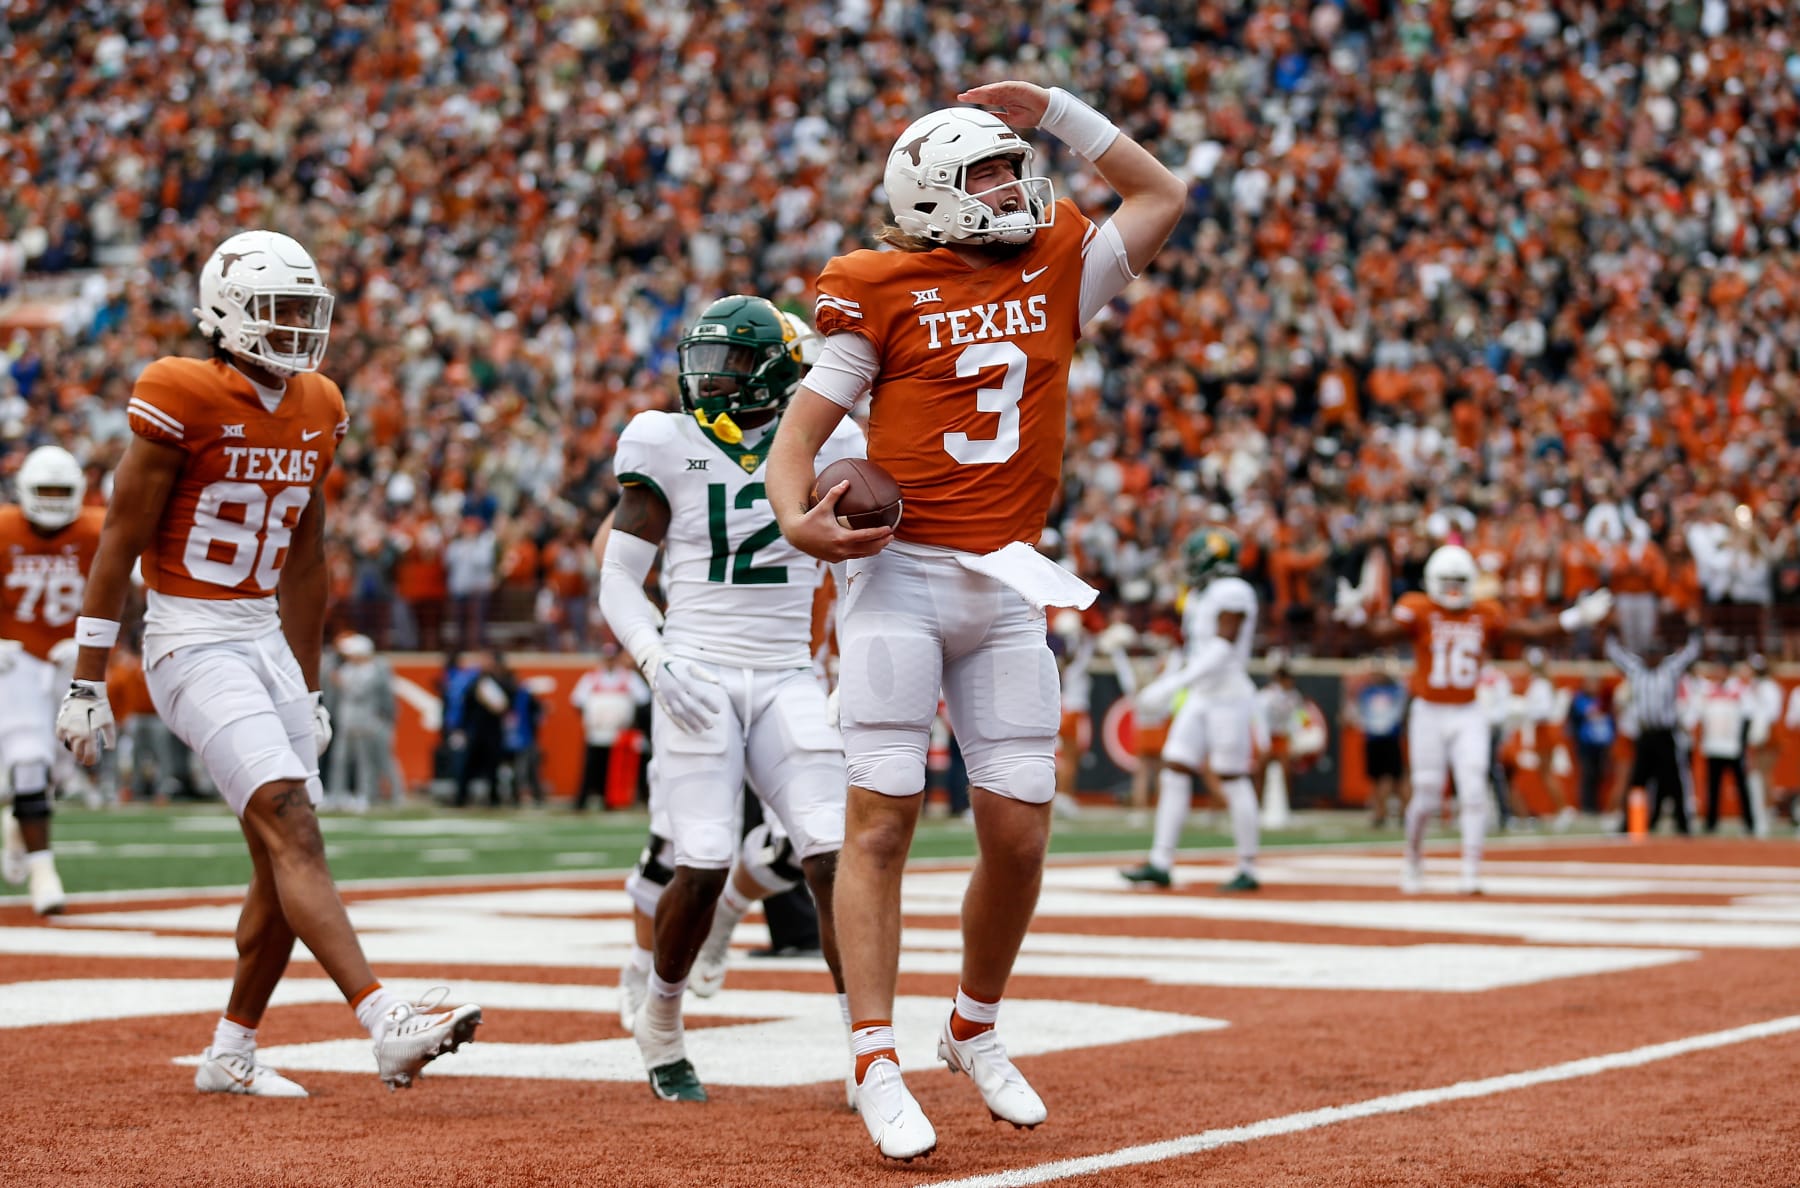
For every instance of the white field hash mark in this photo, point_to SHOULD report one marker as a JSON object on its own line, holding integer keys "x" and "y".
{"x": 1394, "y": 1103}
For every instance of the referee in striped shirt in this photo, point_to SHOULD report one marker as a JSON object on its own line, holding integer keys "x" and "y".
{"x": 1661, "y": 757}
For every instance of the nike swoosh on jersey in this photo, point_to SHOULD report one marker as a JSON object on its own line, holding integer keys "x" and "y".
{"x": 305, "y": 436}
{"x": 1028, "y": 277}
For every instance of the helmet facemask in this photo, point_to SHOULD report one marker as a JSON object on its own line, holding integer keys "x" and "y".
{"x": 262, "y": 300}
{"x": 51, "y": 487}
{"x": 1450, "y": 578}
{"x": 988, "y": 225}
{"x": 736, "y": 362}
{"x": 927, "y": 180}
{"x": 285, "y": 330}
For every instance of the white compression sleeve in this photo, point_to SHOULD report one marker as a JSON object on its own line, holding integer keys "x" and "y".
{"x": 1210, "y": 655}
{"x": 623, "y": 603}
{"x": 1077, "y": 125}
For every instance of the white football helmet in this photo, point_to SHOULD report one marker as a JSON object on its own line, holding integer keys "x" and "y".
{"x": 928, "y": 168}
{"x": 1450, "y": 577}
{"x": 261, "y": 295}
{"x": 51, "y": 469}
{"x": 810, "y": 343}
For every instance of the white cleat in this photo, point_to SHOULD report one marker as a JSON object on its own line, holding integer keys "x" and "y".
{"x": 634, "y": 987}
{"x": 12, "y": 853}
{"x": 46, "y": 888}
{"x": 1470, "y": 885}
{"x": 896, "y": 1123}
{"x": 707, "y": 977}
{"x": 418, "y": 1033}
{"x": 1002, "y": 1085}
{"x": 1411, "y": 877}
{"x": 232, "y": 1073}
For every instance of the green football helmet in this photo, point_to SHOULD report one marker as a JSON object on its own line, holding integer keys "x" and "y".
{"x": 740, "y": 356}
{"x": 1210, "y": 553}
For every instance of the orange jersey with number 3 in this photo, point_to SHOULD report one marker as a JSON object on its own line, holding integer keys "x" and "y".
{"x": 248, "y": 475}
{"x": 44, "y": 577}
{"x": 1449, "y": 646}
{"x": 969, "y": 410}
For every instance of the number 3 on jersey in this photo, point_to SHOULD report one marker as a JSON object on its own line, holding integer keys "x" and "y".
{"x": 224, "y": 549}
{"x": 1004, "y": 400}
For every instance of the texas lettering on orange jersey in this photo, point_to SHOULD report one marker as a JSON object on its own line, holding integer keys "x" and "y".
{"x": 1449, "y": 646}
{"x": 43, "y": 578}
{"x": 969, "y": 412}
{"x": 248, "y": 475}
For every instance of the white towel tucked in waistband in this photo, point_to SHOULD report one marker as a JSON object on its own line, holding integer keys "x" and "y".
{"x": 1034, "y": 577}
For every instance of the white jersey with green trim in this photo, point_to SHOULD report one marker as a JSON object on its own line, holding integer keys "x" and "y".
{"x": 738, "y": 593}
{"x": 1200, "y": 622}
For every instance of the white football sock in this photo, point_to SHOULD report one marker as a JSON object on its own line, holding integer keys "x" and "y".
{"x": 1174, "y": 796}
{"x": 233, "y": 1039}
{"x": 1240, "y": 796}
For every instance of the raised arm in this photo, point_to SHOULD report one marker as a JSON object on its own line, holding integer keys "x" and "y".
{"x": 1627, "y": 661}
{"x": 1153, "y": 198}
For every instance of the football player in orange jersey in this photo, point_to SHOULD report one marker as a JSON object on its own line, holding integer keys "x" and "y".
{"x": 220, "y": 495}
{"x": 47, "y": 544}
{"x": 963, "y": 337}
{"x": 1452, "y": 634}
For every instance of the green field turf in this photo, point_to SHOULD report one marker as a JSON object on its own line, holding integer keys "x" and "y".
{"x": 137, "y": 847}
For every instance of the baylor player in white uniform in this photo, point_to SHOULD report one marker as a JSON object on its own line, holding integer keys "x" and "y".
{"x": 1217, "y": 735}
{"x": 731, "y": 665}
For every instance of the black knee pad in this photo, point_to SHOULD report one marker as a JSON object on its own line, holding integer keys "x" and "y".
{"x": 32, "y": 806}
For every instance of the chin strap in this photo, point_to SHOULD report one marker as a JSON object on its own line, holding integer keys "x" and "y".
{"x": 721, "y": 427}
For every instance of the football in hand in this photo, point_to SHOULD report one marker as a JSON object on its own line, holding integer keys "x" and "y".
{"x": 873, "y": 497}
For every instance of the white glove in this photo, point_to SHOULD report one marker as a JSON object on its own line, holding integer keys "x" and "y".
{"x": 1595, "y": 606}
{"x": 84, "y": 723}
{"x": 1589, "y": 610}
{"x": 1153, "y": 699}
{"x": 680, "y": 688}
{"x": 831, "y": 706}
{"x": 1347, "y": 605}
{"x": 10, "y": 651}
{"x": 321, "y": 723}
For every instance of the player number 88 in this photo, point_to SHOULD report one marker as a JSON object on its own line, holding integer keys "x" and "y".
{"x": 256, "y": 542}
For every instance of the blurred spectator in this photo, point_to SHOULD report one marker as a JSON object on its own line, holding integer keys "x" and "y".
{"x": 486, "y": 703}
{"x": 469, "y": 572}
{"x": 1592, "y": 726}
{"x": 522, "y": 756}
{"x": 364, "y": 714}
{"x": 1379, "y": 711}
{"x": 1530, "y": 264}
{"x": 1719, "y": 713}
{"x": 607, "y": 697}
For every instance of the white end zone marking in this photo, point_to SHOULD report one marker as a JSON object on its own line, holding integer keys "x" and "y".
{"x": 802, "y": 1027}
{"x": 1395, "y": 1103}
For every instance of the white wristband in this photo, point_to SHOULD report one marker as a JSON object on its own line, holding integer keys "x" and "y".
{"x": 96, "y": 633}
{"x": 1077, "y": 125}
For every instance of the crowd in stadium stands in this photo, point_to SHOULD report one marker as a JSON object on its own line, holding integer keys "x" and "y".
{"x": 1520, "y": 272}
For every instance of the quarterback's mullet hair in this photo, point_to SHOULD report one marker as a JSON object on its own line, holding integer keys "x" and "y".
{"x": 889, "y": 235}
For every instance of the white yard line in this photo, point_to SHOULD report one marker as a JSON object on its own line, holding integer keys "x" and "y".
{"x": 1394, "y": 1103}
